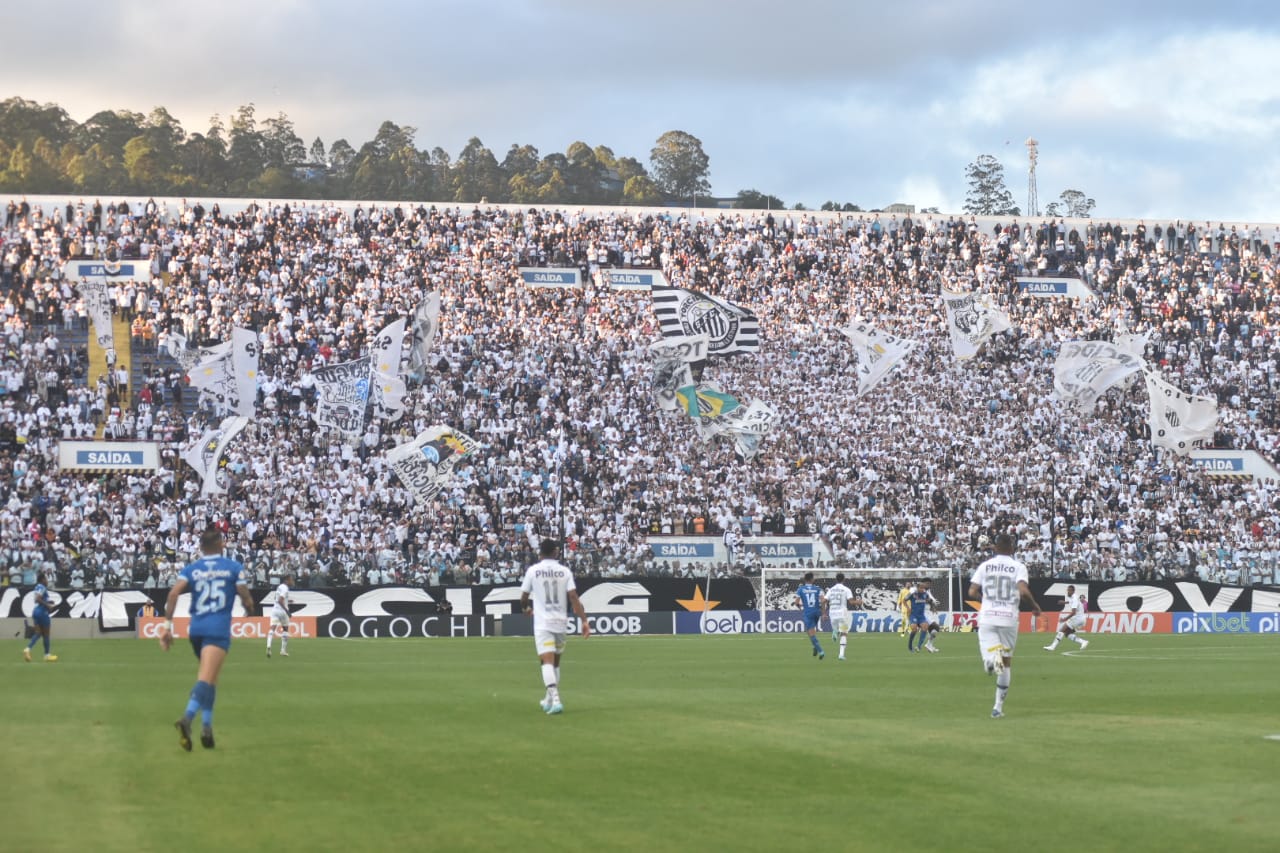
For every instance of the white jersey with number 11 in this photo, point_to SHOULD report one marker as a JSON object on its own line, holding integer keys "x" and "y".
{"x": 548, "y": 584}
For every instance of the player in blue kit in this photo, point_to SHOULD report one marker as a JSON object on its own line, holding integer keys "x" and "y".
{"x": 809, "y": 597}
{"x": 920, "y": 599}
{"x": 214, "y": 581}
{"x": 40, "y": 616}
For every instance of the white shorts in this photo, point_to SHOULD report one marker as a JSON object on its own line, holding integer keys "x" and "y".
{"x": 1075, "y": 624}
{"x": 994, "y": 639}
{"x": 841, "y": 622}
{"x": 548, "y": 642}
{"x": 280, "y": 619}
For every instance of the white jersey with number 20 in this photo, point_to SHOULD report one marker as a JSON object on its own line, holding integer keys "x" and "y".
{"x": 998, "y": 578}
{"x": 548, "y": 584}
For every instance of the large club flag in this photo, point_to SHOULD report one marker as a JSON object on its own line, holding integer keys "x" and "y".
{"x": 425, "y": 464}
{"x": 878, "y": 353}
{"x": 387, "y": 390}
{"x": 730, "y": 329}
{"x": 1084, "y": 371}
{"x": 972, "y": 319}
{"x": 713, "y": 410}
{"x": 214, "y": 376}
{"x": 1180, "y": 422}
{"x": 342, "y": 394}
{"x": 749, "y": 429}
{"x": 426, "y": 324}
{"x": 204, "y": 454}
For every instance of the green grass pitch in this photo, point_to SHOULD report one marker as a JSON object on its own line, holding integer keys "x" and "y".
{"x": 667, "y": 743}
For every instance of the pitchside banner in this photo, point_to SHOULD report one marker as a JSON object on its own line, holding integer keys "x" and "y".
{"x": 609, "y": 624}
{"x": 551, "y": 276}
{"x": 247, "y": 627}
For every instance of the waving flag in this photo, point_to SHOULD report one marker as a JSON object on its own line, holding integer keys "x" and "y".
{"x": 343, "y": 393}
{"x": 1084, "y": 370}
{"x": 204, "y": 454}
{"x": 730, "y": 329}
{"x": 426, "y": 323}
{"x": 426, "y": 464}
{"x": 971, "y": 319}
{"x": 1180, "y": 422}
{"x": 878, "y": 353}
{"x": 387, "y": 390}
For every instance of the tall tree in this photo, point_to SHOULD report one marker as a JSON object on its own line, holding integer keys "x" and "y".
{"x": 281, "y": 146}
{"x": 1076, "y": 204}
{"x": 680, "y": 167}
{"x": 756, "y": 200}
{"x": 245, "y": 154}
{"x": 640, "y": 189}
{"x": 476, "y": 176}
{"x": 316, "y": 154}
{"x": 988, "y": 196}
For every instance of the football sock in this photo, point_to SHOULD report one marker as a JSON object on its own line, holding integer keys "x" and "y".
{"x": 206, "y": 713}
{"x": 1077, "y": 638}
{"x": 46, "y": 643}
{"x": 844, "y": 641}
{"x": 1057, "y": 638}
{"x": 557, "y": 671}
{"x": 284, "y": 644}
{"x": 199, "y": 697}
{"x": 549, "y": 678}
{"x": 813, "y": 638}
{"x": 1002, "y": 687}
{"x": 35, "y": 638}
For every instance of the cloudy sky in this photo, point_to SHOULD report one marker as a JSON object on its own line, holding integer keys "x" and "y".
{"x": 1168, "y": 109}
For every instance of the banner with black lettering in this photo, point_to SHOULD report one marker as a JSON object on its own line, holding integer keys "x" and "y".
{"x": 677, "y": 362}
{"x": 1179, "y": 421}
{"x": 1084, "y": 370}
{"x": 342, "y": 394}
{"x": 878, "y": 353}
{"x": 214, "y": 377}
{"x": 204, "y": 454}
{"x": 749, "y": 425}
{"x": 730, "y": 329}
{"x": 426, "y": 464}
{"x": 245, "y": 353}
{"x": 971, "y": 319}
{"x": 97, "y": 303}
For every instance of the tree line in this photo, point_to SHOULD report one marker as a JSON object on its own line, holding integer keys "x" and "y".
{"x": 43, "y": 150}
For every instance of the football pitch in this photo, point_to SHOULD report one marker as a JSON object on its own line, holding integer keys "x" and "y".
{"x": 666, "y": 743}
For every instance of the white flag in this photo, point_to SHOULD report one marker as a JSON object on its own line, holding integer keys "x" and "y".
{"x": 244, "y": 364}
{"x": 342, "y": 392}
{"x": 972, "y": 319}
{"x": 730, "y": 329}
{"x": 426, "y": 323}
{"x": 214, "y": 376}
{"x": 1181, "y": 422}
{"x": 204, "y": 454}
{"x": 672, "y": 360}
{"x": 387, "y": 390}
{"x": 878, "y": 353}
{"x": 426, "y": 463}
{"x": 749, "y": 430}
{"x": 1084, "y": 370}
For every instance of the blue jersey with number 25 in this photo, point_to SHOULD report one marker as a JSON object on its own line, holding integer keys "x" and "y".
{"x": 212, "y": 581}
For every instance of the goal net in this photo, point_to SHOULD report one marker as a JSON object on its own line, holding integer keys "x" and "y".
{"x": 878, "y": 589}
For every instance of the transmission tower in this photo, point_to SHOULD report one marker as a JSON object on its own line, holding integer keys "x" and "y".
{"x": 1033, "y": 200}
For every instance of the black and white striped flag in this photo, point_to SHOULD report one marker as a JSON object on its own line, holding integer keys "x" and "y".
{"x": 730, "y": 330}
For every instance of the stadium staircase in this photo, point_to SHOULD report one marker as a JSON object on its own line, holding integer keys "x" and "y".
{"x": 98, "y": 356}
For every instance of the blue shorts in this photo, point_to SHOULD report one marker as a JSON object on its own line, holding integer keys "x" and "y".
{"x": 811, "y": 621}
{"x": 198, "y": 643}
{"x": 917, "y": 618}
{"x": 41, "y": 619}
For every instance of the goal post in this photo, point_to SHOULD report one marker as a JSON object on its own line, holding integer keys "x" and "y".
{"x": 878, "y": 588}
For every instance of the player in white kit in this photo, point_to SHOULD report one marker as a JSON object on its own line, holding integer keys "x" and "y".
{"x": 280, "y": 617}
{"x": 548, "y": 586}
{"x": 837, "y": 600}
{"x": 1071, "y": 624}
{"x": 1002, "y": 583}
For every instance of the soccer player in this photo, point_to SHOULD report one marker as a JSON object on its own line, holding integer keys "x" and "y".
{"x": 836, "y": 601}
{"x": 547, "y": 585}
{"x": 214, "y": 581}
{"x": 904, "y": 607}
{"x": 43, "y": 622}
{"x": 1002, "y": 583}
{"x": 1072, "y": 622}
{"x": 920, "y": 599}
{"x": 280, "y": 617}
{"x": 809, "y": 598}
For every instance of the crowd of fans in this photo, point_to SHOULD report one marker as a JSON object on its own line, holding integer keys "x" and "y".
{"x": 556, "y": 385}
